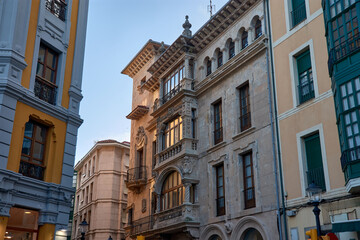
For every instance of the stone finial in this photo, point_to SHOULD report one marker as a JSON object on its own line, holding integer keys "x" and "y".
{"x": 162, "y": 47}
{"x": 187, "y": 26}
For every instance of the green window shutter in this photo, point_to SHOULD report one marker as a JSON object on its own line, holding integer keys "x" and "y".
{"x": 303, "y": 62}
{"x": 297, "y": 3}
{"x": 315, "y": 171}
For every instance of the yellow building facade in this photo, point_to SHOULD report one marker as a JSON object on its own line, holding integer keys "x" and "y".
{"x": 41, "y": 59}
{"x": 309, "y": 148}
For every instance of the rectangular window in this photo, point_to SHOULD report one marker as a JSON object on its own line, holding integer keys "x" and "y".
{"x": 218, "y": 130}
{"x": 208, "y": 67}
{"x": 220, "y": 190}
{"x": 305, "y": 84}
{"x": 91, "y": 191}
{"x": 315, "y": 171}
{"x": 249, "y": 187}
{"x": 56, "y": 7}
{"x": 172, "y": 83}
{"x": 173, "y": 132}
{"x": 298, "y": 13}
{"x": 93, "y": 169}
{"x": 130, "y": 216}
{"x": 245, "y": 114}
{"x": 45, "y": 82}
{"x": 139, "y": 170}
{"x": 32, "y": 162}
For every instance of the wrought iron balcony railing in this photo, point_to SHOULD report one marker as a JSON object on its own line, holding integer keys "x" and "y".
{"x": 141, "y": 225}
{"x": 306, "y": 90}
{"x": 45, "y": 90}
{"x": 136, "y": 174}
{"x": 298, "y": 14}
{"x": 316, "y": 175}
{"x": 56, "y": 7}
{"x": 31, "y": 170}
{"x": 349, "y": 156}
{"x": 171, "y": 93}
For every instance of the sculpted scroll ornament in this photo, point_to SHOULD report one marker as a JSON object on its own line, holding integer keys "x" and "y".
{"x": 141, "y": 137}
{"x": 228, "y": 227}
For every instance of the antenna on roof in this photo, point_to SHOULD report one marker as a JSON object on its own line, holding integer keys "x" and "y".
{"x": 210, "y": 8}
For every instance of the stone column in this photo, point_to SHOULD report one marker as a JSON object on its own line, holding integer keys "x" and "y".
{"x": 187, "y": 67}
{"x": 158, "y": 203}
{"x": 187, "y": 192}
{"x": 161, "y": 92}
{"x": 225, "y": 55}
{"x": 237, "y": 45}
{"x": 213, "y": 64}
{"x": 251, "y": 35}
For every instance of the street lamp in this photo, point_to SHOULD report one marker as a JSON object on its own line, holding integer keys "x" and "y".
{"x": 110, "y": 238}
{"x": 314, "y": 193}
{"x": 83, "y": 228}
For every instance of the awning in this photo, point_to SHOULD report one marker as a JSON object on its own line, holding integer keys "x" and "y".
{"x": 347, "y": 226}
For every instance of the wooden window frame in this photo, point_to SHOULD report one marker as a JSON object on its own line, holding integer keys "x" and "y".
{"x": 168, "y": 130}
{"x": 31, "y": 159}
{"x": 244, "y": 94}
{"x": 208, "y": 67}
{"x": 217, "y": 106}
{"x": 231, "y": 49}
{"x": 45, "y": 66}
{"x": 258, "y": 30}
{"x": 220, "y": 210}
{"x": 169, "y": 87}
{"x": 219, "y": 59}
{"x": 252, "y": 202}
{"x": 177, "y": 192}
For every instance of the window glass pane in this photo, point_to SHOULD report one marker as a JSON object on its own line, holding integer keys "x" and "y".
{"x": 351, "y": 143}
{"x": 40, "y": 133}
{"x": 349, "y": 131}
{"x": 345, "y": 104}
{"x": 40, "y": 69}
{"x": 249, "y": 182}
{"x": 220, "y": 191}
{"x": 351, "y": 102}
{"x": 41, "y": 56}
{"x": 249, "y": 194}
{"x": 349, "y": 88}
{"x": 343, "y": 91}
{"x": 38, "y": 150}
{"x": 28, "y": 129}
{"x": 347, "y": 119}
{"x": 248, "y": 171}
{"x": 26, "y": 146}
{"x": 51, "y": 59}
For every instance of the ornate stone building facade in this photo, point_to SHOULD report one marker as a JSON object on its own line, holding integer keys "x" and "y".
{"x": 202, "y": 161}
{"x": 101, "y": 193}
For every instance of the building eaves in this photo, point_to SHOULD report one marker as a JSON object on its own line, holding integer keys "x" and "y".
{"x": 142, "y": 57}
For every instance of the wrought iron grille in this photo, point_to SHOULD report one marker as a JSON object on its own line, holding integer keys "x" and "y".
{"x": 171, "y": 94}
{"x": 316, "y": 175}
{"x": 45, "y": 90}
{"x": 31, "y": 170}
{"x": 56, "y": 7}
{"x": 135, "y": 174}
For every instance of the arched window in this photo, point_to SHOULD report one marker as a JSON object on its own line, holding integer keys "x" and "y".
{"x": 208, "y": 67}
{"x": 219, "y": 59}
{"x": 251, "y": 234}
{"x": 173, "y": 192}
{"x": 244, "y": 40}
{"x": 231, "y": 49}
{"x": 258, "y": 30}
{"x": 215, "y": 237}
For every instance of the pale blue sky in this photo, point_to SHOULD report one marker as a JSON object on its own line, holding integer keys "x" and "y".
{"x": 117, "y": 30}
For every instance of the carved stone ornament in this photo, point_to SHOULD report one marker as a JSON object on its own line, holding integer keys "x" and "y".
{"x": 228, "y": 227}
{"x": 140, "y": 137}
{"x": 187, "y": 165}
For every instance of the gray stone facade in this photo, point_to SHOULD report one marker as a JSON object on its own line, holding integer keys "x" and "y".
{"x": 51, "y": 200}
{"x": 197, "y": 154}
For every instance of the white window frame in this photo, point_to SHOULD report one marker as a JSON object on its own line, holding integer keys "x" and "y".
{"x": 302, "y": 156}
{"x": 294, "y": 71}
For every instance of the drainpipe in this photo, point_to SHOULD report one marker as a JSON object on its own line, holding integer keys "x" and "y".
{"x": 271, "y": 88}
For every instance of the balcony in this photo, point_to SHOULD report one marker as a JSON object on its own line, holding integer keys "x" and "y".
{"x": 56, "y": 7}
{"x": 136, "y": 178}
{"x": 350, "y": 163}
{"x": 343, "y": 50}
{"x": 45, "y": 90}
{"x": 186, "y": 215}
{"x": 140, "y": 226}
{"x": 31, "y": 170}
{"x": 298, "y": 14}
{"x": 184, "y": 146}
{"x": 316, "y": 175}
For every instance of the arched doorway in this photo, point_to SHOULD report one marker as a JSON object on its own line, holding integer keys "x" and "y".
{"x": 251, "y": 234}
{"x": 215, "y": 237}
